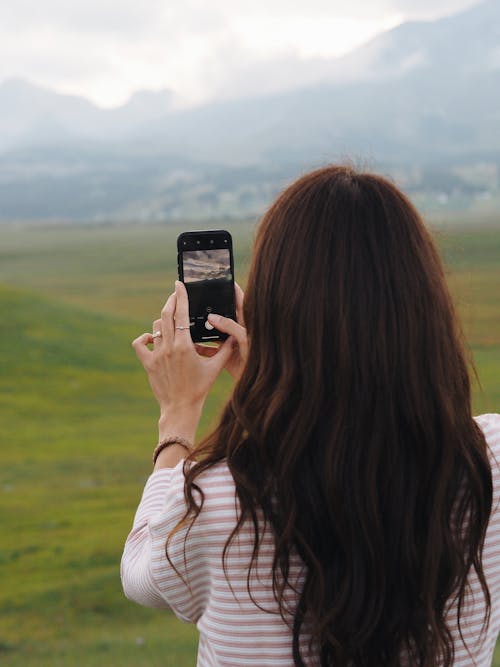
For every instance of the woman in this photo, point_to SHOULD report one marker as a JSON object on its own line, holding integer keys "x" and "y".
{"x": 344, "y": 510}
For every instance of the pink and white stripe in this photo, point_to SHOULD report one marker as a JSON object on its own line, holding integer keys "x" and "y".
{"x": 233, "y": 630}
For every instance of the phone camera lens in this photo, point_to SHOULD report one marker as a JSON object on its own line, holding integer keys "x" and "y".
{"x": 225, "y": 240}
{"x": 185, "y": 242}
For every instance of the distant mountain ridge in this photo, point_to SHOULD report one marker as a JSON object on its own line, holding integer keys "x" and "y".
{"x": 33, "y": 115}
{"x": 422, "y": 93}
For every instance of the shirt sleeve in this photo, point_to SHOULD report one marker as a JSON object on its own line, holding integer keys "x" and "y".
{"x": 147, "y": 576}
{"x": 490, "y": 425}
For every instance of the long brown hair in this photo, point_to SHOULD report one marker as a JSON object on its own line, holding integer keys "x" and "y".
{"x": 353, "y": 412}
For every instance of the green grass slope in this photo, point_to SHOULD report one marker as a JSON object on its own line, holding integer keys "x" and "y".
{"x": 77, "y": 431}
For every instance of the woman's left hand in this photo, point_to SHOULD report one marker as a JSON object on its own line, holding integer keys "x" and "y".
{"x": 179, "y": 377}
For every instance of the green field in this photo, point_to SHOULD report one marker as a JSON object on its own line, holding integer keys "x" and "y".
{"x": 78, "y": 426}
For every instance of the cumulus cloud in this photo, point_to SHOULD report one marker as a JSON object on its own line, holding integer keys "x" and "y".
{"x": 106, "y": 49}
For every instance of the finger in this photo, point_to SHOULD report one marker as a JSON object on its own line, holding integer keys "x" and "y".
{"x": 182, "y": 307}
{"x": 182, "y": 336}
{"x": 223, "y": 354}
{"x": 140, "y": 345}
{"x": 167, "y": 319}
{"x": 157, "y": 328}
{"x": 239, "y": 296}
{"x": 229, "y": 326}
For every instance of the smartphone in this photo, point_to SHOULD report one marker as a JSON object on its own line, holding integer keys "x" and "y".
{"x": 206, "y": 267}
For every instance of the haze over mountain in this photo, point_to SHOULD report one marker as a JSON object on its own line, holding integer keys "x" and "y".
{"x": 424, "y": 93}
{"x": 31, "y": 115}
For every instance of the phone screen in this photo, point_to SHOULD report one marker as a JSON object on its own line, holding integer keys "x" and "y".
{"x": 208, "y": 276}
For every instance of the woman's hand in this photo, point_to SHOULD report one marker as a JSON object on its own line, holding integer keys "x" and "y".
{"x": 179, "y": 377}
{"x": 236, "y": 330}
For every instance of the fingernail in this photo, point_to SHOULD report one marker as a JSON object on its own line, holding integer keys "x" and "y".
{"x": 213, "y": 318}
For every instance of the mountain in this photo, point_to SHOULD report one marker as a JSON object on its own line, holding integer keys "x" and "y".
{"x": 423, "y": 96}
{"x": 31, "y": 115}
{"x": 419, "y": 91}
{"x": 467, "y": 42}
{"x": 28, "y": 112}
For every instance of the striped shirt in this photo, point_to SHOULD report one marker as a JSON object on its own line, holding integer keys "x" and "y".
{"x": 233, "y": 630}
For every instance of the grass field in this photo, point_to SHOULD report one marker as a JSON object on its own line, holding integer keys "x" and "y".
{"x": 78, "y": 425}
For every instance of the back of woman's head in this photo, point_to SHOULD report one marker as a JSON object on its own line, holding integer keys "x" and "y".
{"x": 351, "y": 425}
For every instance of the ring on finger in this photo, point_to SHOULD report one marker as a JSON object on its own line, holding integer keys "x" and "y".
{"x": 157, "y": 334}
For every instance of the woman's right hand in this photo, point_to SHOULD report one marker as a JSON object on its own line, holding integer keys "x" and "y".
{"x": 236, "y": 329}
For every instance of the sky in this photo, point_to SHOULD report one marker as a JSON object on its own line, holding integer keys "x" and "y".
{"x": 196, "y": 49}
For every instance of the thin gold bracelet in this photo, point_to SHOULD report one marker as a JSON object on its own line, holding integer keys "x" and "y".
{"x": 171, "y": 440}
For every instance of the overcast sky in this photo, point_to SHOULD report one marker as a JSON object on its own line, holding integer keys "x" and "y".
{"x": 106, "y": 49}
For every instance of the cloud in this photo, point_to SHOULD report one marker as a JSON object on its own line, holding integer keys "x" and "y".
{"x": 428, "y": 9}
{"x": 321, "y": 9}
{"x": 109, "y": 16}
{"x": 106, "y": 49}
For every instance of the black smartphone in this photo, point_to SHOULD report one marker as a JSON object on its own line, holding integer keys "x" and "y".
{"x": 206, "y": 267}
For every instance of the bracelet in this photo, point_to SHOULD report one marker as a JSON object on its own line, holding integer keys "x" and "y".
{"x": 171, "y": 440}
